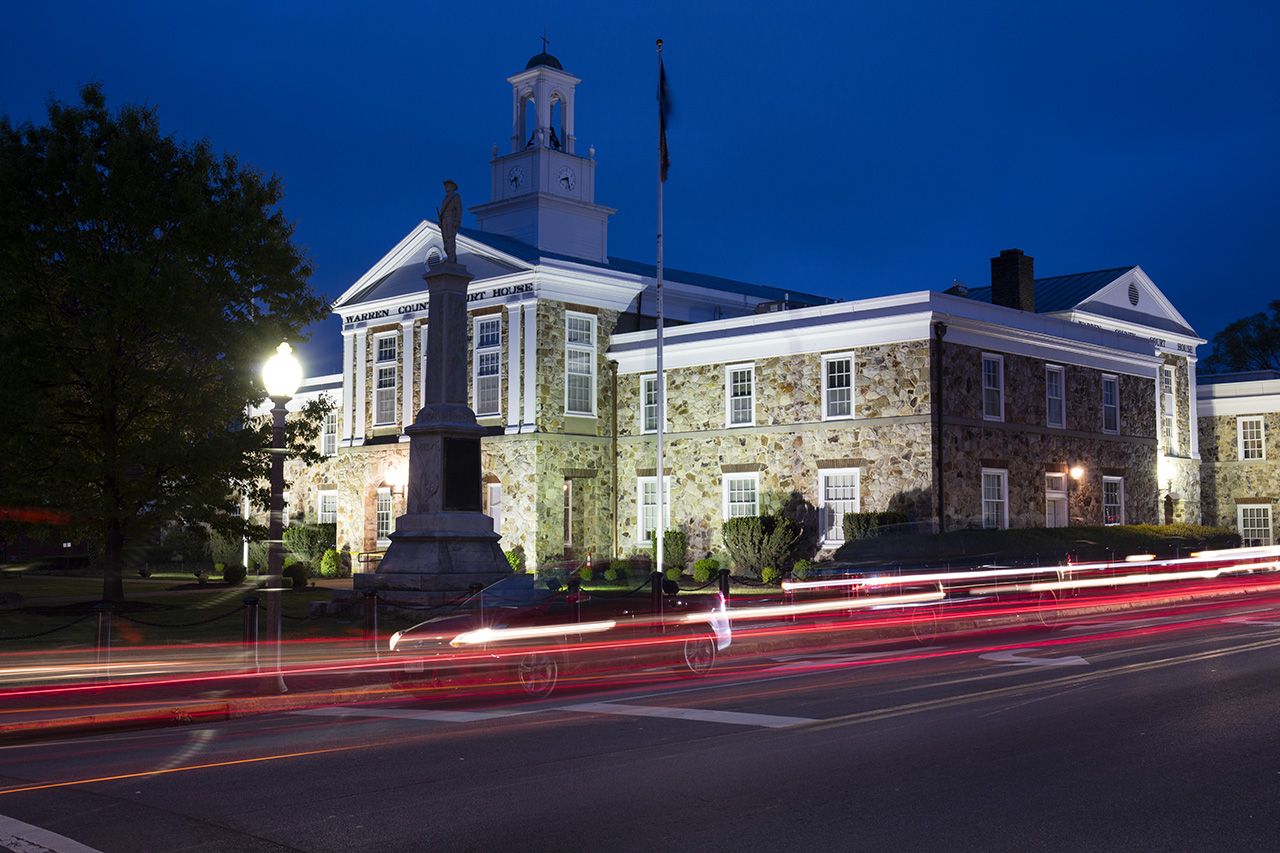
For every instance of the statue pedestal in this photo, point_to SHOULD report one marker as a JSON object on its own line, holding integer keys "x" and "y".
{"x": 443, "y": 543}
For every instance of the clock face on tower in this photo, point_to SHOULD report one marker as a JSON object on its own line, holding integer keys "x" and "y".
{"x": 566, "y": 179}
{"x": 515, "y": 178}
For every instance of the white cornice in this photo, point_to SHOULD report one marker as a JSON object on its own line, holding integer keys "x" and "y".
{"x": 891, "y": 319}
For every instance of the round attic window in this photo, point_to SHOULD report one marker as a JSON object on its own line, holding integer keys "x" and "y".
{"x": 1133, "y": 293}
{"x": 433, "y": 256}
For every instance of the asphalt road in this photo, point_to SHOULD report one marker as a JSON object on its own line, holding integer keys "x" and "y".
{"x": 1154, "y": 732}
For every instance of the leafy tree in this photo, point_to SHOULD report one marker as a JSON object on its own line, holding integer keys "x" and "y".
{"x": 1250, "y": 343}
{"x": 143, "y": 282}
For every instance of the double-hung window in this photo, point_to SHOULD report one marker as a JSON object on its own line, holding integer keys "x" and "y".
{"x": 649, "y": 403}
{"x": 1113, "y": 500}
{"x": 1111, "y": 405}
{"x": 329, "y": 437}
{"x": 992, "y": 387}
{"x": 1250, "y": 438}
{"x": 1168, "y": 411}
{"x": 837, "y": 494}
{"x": 647, "y": 497}
{"x": 995, "y": 498}
{"x": 580, "y": 364}
{"x": 1254, "y": 523}
{"x": 487, "y": 366}
{"x": 1055, "y": 397}
{"x": 328, "y": 510}
{"x": 740, "y": 495}
{"x": 385, "y": 370}
{"x": 384, "y": 517}
{"x": 740, "y": 405}
{"x": 837, "y": 387}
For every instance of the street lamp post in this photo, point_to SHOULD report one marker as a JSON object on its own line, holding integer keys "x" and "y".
{"x": 281, "y": 375}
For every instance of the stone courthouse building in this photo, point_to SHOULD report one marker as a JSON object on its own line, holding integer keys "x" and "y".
{"x": 969, "y": 407}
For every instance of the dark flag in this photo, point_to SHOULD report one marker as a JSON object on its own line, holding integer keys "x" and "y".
{"x": 664, "y": 109}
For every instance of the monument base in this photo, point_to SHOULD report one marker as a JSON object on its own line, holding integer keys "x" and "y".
{"x": 439, "y": 552}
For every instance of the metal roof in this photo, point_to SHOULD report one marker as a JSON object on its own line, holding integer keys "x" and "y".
{"x": 1063, "y": 292}
{"x": 531, "y": 254}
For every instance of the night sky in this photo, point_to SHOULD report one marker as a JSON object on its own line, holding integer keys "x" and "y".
{"x": 845, "y": 149}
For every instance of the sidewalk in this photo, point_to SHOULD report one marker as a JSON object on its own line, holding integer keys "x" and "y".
{"x": 222, "y": 684}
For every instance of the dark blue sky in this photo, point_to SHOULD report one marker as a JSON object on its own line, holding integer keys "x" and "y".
{"x": 845, "y": 149}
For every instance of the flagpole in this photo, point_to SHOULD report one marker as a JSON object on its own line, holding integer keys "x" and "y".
{"x": 659, "y": 527}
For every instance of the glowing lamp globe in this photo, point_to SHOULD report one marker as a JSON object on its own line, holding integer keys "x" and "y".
{"x": 282, "y": 374}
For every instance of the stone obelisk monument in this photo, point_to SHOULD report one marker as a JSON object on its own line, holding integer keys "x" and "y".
{"x": 443, "y": 542}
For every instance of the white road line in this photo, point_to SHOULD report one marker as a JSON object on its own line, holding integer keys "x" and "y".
{"x": 1015, "y": 657}
{"x": 735, "y": 718}
{"x": 24, "y": 838}
{"x": 406, "y": 714}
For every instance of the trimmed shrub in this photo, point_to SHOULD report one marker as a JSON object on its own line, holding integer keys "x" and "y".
{"x": 619, "y": 570}
{"x": 802, "y": 569}
{"x": 770, "y": 575}
{"x": 308, "y": 542}
{"x": 516, "y": 558}
{"x": 674, "y": 573}
{"x": 331, "y": 564}
{"x": 755, "y": 542}
{"x": 297, "y": 573}
{"x": 234, "y": 574}
{"x": 675, "y": 550}
{"x": 862, "y": 525}
{"x": 705, "y": 569}
{"x": 586, "y": 572}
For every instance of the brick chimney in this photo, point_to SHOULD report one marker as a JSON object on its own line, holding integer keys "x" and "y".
{"x": 1013, "y": 281}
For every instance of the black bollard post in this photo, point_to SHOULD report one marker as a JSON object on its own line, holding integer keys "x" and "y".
{"x": 251, "y": 632}
{"x": 102, "y": 641}
{"x": 724, "y": 584}
{"x": 371, "y": 620}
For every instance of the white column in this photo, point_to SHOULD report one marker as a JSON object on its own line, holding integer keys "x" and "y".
{"x": 529, "y": 419}
{"x": 347, "y": 414}
{"x": 422, "y": 379}
{"x": 513, "y": 367}
{"x": 1194, "y": 420}
{"x": 360, "y": 398}
{"x": 406, "y": 369}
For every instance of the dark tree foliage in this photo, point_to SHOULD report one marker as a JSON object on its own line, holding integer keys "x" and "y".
{"x": 1250, "y": 343}
{"x": 143, "y": 283}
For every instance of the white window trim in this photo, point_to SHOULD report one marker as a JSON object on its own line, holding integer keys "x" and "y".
{"x": 823, "y": 523}
{"x": 999, "y": 360}
{"x": 645, "y": 381}
{"x": 384, "y": 541}
{"x": 1169, "y": 409}
{"x": 329, "y": 440}
{"x": 476, "y": 351}
{"x": 1121, "y": 515}
{"x": 492, "y": 491}
{"x": 754, "y": 477}
{"x": 321, "y": 495}
{"x": 575, "y": 347}
{"x": 729, "y": 370}
{"x": 1262, "y": 435}
{"x": 392, "y": 364}
{"x": 826, "y": 390}
{"x": 641, "y": 482}
{"x": 1115, "y": 380}
{"x": 1240, "y": 508}
{"x": 1061, "y": 398}
{"x": 1004, "y": 497}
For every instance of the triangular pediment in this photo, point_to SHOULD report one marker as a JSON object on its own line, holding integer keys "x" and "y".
{"x": 1132, "y": 302}
{"x": 399, "y": 273}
